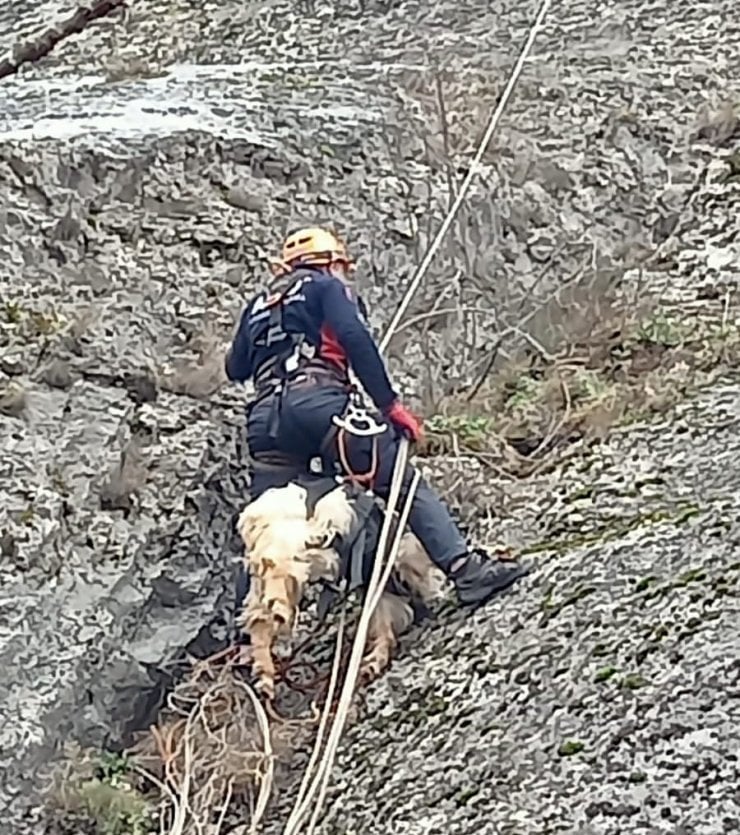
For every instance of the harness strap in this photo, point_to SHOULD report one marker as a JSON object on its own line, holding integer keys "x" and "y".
{"x": 273, "y": 426}
{"x": 357, "y": 561}
{"x": 274, "y": 461}
{"x": 352, "y": 556}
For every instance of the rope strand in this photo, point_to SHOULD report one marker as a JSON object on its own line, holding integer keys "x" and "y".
{"x": 472, "y": 171}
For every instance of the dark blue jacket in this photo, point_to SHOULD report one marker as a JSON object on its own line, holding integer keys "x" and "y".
{"x": 321, "y": 307}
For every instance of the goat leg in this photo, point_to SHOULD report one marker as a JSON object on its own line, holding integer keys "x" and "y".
{"x": 392, "y": 616}
{"x": 263, "y": 665}
{"x": 379, "y": 650}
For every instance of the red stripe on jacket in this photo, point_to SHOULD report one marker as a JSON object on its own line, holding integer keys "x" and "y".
{"x": 330, "y": 349}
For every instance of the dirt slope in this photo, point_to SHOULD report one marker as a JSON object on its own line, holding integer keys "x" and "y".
{"x": 149, "y": 164}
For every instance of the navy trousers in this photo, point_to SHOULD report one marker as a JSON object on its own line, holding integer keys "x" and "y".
{"x": 305, "y": 419}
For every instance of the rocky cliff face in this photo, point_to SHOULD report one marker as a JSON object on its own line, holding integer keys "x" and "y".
{"x": 147, "y": 167}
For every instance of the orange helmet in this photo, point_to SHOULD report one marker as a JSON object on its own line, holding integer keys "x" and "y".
{"x": 314, "y": 246}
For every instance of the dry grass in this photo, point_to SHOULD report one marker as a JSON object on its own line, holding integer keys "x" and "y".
{"x": 207, "y": 750}
{"x": 626, "y": 370}
{"x": 201, "y": 768}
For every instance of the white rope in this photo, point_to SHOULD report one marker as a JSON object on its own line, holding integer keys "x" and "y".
{"x": 371, "y": 602}
{"x": 319, "y": 784}
{"x": 266, "y": 779}
{"x": 402, "y": 520}
{"x": 472, "y": 171}
{"x": 294, "y": 818}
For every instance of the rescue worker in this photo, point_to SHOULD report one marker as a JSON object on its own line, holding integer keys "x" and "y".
{"x": 296, "y": 340}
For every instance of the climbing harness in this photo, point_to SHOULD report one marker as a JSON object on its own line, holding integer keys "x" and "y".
{"x": 290, "y": 364}
{"x": 366, "y": 479}
{"x": 357, "y": 420}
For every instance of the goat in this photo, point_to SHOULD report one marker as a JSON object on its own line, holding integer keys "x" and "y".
{"x": 286, "y": 548}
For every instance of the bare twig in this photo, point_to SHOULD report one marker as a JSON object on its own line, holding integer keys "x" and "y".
{"x": 79, "y": 20}
{"x": 508, "y": 331}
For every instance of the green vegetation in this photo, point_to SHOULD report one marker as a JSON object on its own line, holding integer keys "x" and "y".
{"x": 97, "y": 789}
{"x": 570, "y": 748}
{"x": 28, "y": 322}
{"x": 629, "y": 373}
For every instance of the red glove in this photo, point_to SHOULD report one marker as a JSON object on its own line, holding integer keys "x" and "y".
{"x": 404, "y": 420}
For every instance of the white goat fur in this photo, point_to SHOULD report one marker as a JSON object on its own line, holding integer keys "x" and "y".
{"x": 285, "y": 549}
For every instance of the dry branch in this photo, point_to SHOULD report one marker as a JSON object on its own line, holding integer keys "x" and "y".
{"x": 35, "y": 50}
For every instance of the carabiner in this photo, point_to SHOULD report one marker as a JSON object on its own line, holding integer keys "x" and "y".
{"x": 358, "y": 421}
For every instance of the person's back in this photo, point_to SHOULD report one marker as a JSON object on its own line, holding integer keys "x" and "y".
{"x": 308, "y": 319}
{"x": 297, "y": 340}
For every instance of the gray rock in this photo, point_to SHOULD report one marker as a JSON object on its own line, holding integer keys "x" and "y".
{"x": 57, "y": 374}
{"x": 13, "y": 399}
{"x": 596, "y": 698}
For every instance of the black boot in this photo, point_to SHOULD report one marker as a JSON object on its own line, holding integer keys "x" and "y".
{"x": 479, "y": 577}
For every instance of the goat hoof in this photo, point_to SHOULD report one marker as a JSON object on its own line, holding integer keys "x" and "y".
{"x": 266, "y": 688}
{"x": 369, "y": 671}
